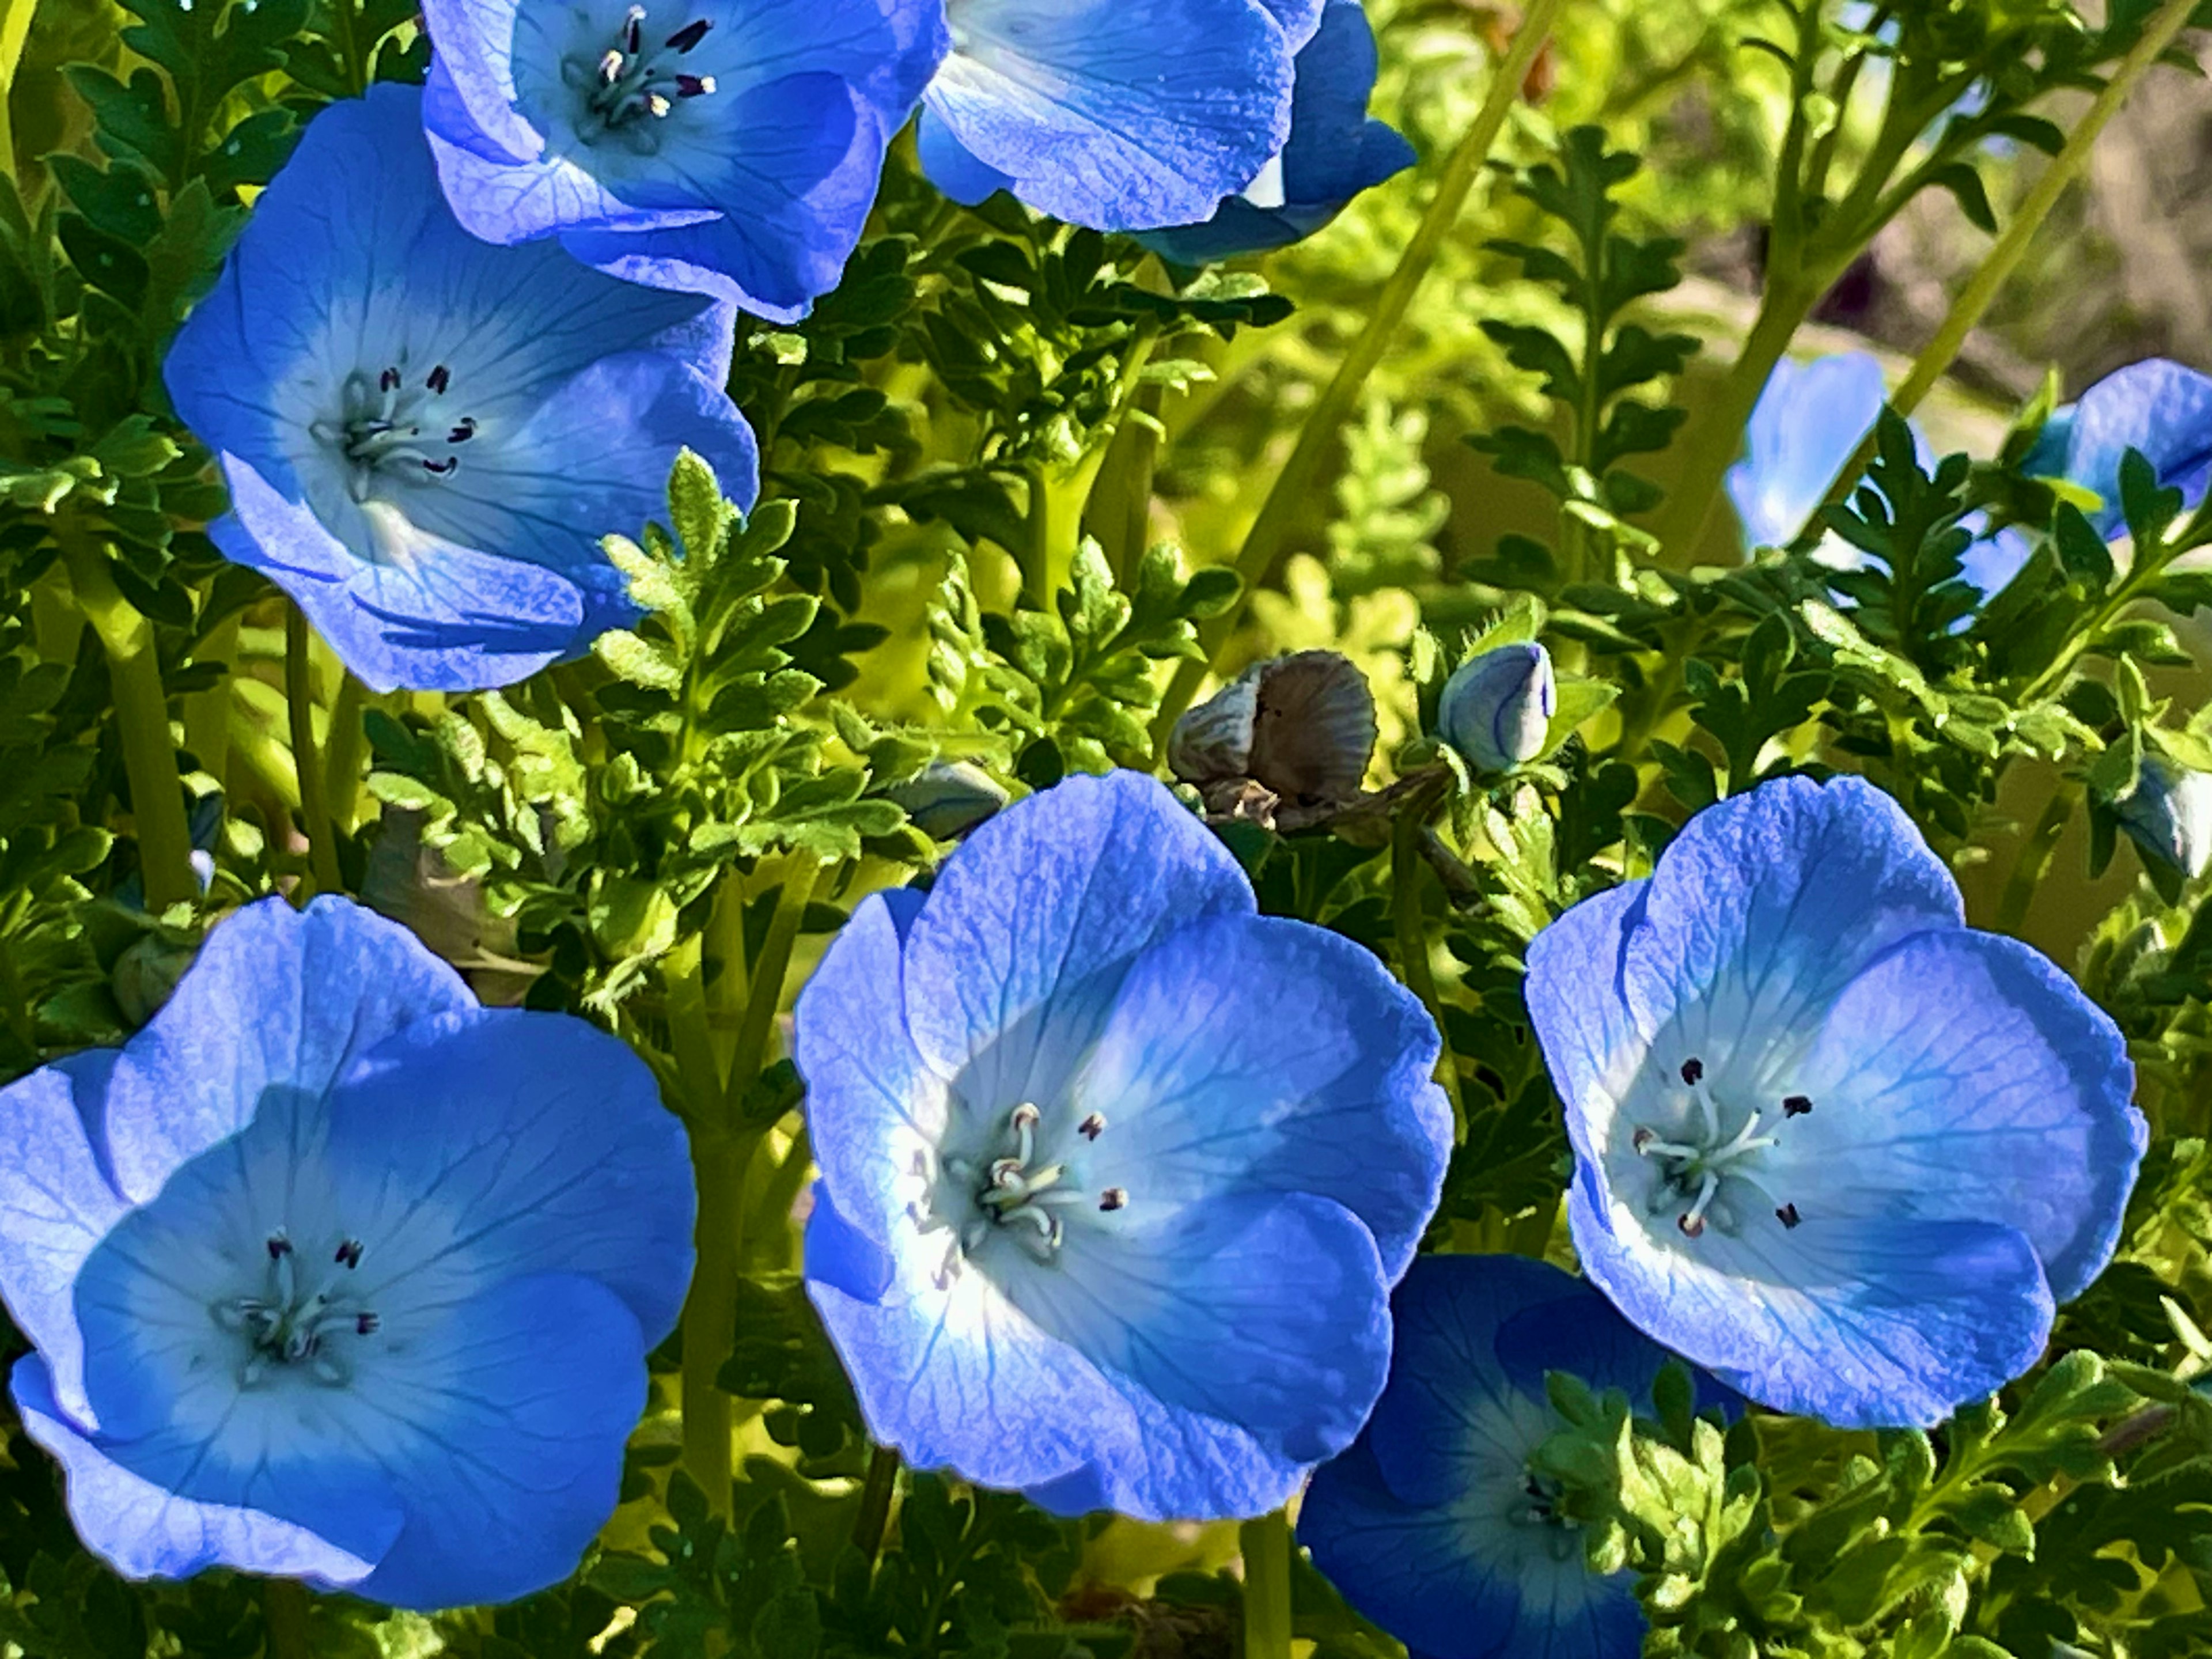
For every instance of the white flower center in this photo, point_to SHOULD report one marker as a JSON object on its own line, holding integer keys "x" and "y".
{"x": 1708, "y": 1164}
{"x": 1009, "y": 1186}
{"x": 633, "y": 84}
{"x": 384, "y": 427}
{"x": 286, "y": 1324}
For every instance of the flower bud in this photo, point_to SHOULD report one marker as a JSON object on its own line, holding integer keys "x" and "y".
{"x": 949, "y": 799}
{"x": 1497, "y": 709}
{"x": 1286, "y": 744}
{"x": 2169, "y": 816}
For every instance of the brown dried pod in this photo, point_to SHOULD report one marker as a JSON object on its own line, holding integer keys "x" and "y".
{"x": 1284, "y": 745}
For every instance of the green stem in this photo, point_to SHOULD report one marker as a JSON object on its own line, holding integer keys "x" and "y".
{"x": 142, "y": 720}
{"x": 207, "y": 713}
{"x": 300, "y": 710}
{"x": 16, "y": 1003}
{"x": 285, "y": 1620}
{"x": 350, "y": 55}
{"x": 14, "y": 30}
{"x": 1266, "y": 1544}
{"x": 1406, "y": 870}
{"x": 1286, "y": 499}
{"x": 2033, "y": 861}
{"x": 342, "y": 760}
{"x": 1981, "y": 288}
{"x": 876, "y": 1502}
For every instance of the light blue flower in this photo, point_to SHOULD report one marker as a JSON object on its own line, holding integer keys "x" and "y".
{"x": 334, "y": 1274}
{"x": 1118, "y": 115}
{"x": 733, "y": 144}
{"x": 1434, "y": 1525}
{"x": 949, "y": 799}
{"x": 1830, "y": 1142}
{"x": 424, "y": 436}
{"x": 1497, "y": 709}
{"x": 1334, "y": 152}
{"x": 1096, "y": 1220}
{"x": 2157, "y": 406}
{"x": 2168, "y": 814}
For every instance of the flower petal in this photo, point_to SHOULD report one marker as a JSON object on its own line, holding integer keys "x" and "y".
{"x": 2157, "y": 406}
{"x": 56, "y": 1204}
{"x": 1207, "y": 1089}
{"x": 1119, "y": 114}
{"x": 1809, "y": 421}
{"x": 1011, "y": 965}
{"x": 256, "y": 1011}
{"x": 145, "y": 1530}
{"x": 1576, "y": 993}
{"x": 1970, "y": 1080}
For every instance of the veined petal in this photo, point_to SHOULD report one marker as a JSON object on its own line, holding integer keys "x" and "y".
{"x": 1207, "y": 1089}
{"x": 1970, "y": 1080}
{"x": 1809, "y": 419}
{"x": 254, "y": 1012}
{"x": 1120, "y": 114}
{"x": 951, "y": 167}
{"x": 1012, "y": 963}
{"x": 1578, "y": 997}
{"x": 2157, "y": 406}
{"x": 144, "y": 1530}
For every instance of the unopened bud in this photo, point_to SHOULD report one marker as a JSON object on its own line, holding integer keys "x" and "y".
{"x": 2169, "y": 816}
{"x": 1497, "y": 709}
{"x": 949, "y": 799}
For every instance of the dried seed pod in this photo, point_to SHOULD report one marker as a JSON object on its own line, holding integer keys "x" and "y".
{"x": 1284, "y": 745}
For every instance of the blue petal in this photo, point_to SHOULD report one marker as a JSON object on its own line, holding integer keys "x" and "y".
{"x": 543, "y": 1138}
{"x": 1863, "y": 1324}
{"x": 144, "y": 1530}
{"x": 1972, "y": 1081}
{"x": 507, "y": 1439}
{"x": 56, "y": 1204}
{"x": 1268, "y": 1313}
{"x": 1809, "y": 421}
{"x": 1768, "y": 904}
{"x": 275, "y": 998}
{"x": 1012, "y": 963}
{"x": 841, "y": 1256}
{"x": 947, "y": 164}
{"x": 1205, "y": 1089}
{"x": 873, "y": 1107}
{"x": 1119, "y": 114}
{"x": 2157, "y": 406}
{"x": 1578, "y": 998}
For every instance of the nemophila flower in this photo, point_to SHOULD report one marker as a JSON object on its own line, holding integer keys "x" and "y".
{"x": 2169, "y": 815}
{"x": 1435, "y": 1524}
{"x": 1497, "y": 709}
{"x": 333, "y": 1274}
{"x": 2157, "y": 406}
{"x": 732, "y": 143}
{"x": 424, "y": 436}
{"x": 1119, "y": 114}
{"x": 1116, "y": 1174}
{"x": 1830, "y": 1142}
{"x": 1334, "y": 152}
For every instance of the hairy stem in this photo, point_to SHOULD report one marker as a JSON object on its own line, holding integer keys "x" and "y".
{"x": 142, "y": 720}
{"x": 876, "y": 1502}
{"x": 1407, "y": 871}
{"x": 1286, "y": 499}
{"x": 299, "y": 709}
{"x": 1266, "y": 1544}
{"x": 2033, "y": 861}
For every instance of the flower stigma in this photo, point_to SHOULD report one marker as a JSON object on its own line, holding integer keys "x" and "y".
{"x": 633, "y": 84}
{"x": 1702, "y": 1154}
{"x": 384, "y": 425}
{"x": 283, "y": 1328}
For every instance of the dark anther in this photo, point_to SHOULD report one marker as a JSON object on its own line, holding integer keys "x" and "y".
{"x": 441, "y": 468}
{"x": 365, "y": 1324}
{"x": 348, "y": 1253}
{"x": 1642, "y": 1139}
{"x": 440, "y": 378}
{"x": 1788, "y": 1216}
{"x": 691, "y": 35}
{"x": 1693, "y": 1069}
{"x": 1092, "y": 1127}
{"x": 1113, "y": 1198}
{"x": 1795, "y": 1105}
{"x": 389, "y": 381}
{"x": 464, "y": 432}
{"x": 1692, "y": 1226}
{"x": 691, "y": 86}
{"x": 279, "y": 1247}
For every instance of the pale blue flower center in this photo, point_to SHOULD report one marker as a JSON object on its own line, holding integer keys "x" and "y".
{"x": 636, "y": 82}
{"x": 386, "y": 427}
{"x": 299, "y": 1319}
{"x": 1011, "y": 1185}
{"x": 1504, "y": 1431}
{"x": 1710, "y": 1161}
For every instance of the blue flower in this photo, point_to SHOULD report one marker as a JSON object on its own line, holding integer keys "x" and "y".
{"x": 1497, "y": 708}
{"x": 1434, "y": 1525}
{"x": 1334, "y": 152}
{"x": 424, "y": 436}
{"x": 1096, "y": 1220}
{"x": 734, "y": 144}
{"x": 1830, "y": 1142}
{"x": 334, "y": 1274}
{"x": 2168, "y": 814}
{"x": 1119, "y": 114}
{"x": 2156, "y": 406}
